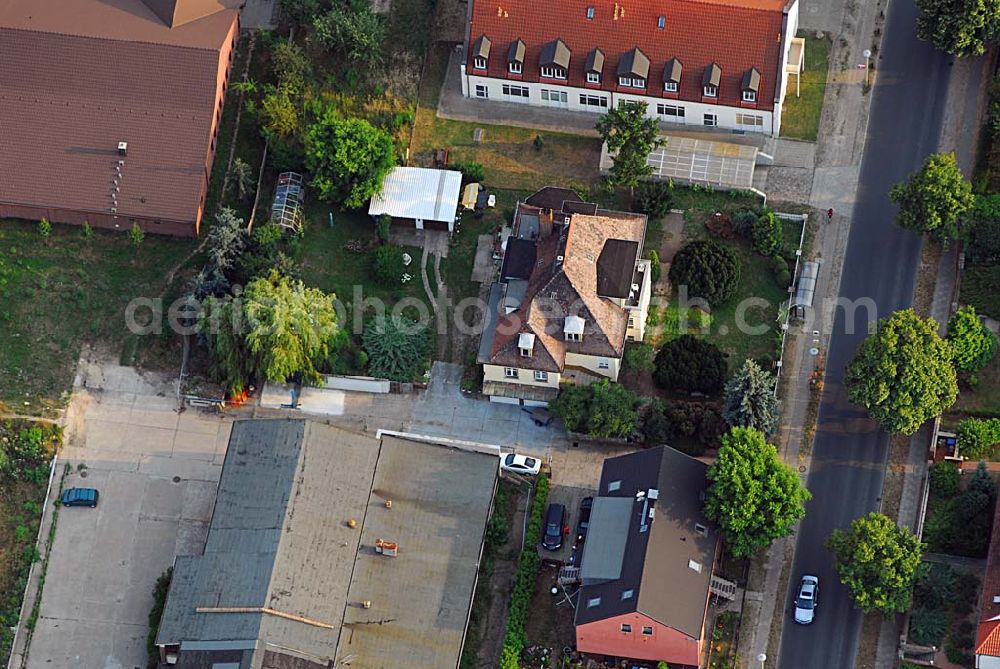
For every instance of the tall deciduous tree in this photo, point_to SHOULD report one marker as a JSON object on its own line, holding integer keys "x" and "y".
{"x": 754, "y": 497}
{"x": 349, "y": 158}
{"x": 749, "y": 399}
{"x": 630, "y": 136}
{"x": 904, "y": 373}
{"x": 935, "y": 199}
{"x": 973, "y": 343}
{"x": 878, "y": 561}
{"x": 959, "y": 27}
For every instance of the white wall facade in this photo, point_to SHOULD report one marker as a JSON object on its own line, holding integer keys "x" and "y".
{"x": 636, "y": 329}
{"x": 667, "y": 110}
{"x": 595, "y": 364}
{"x": 791, "y": 27}
{"x": 987, "y": 662}
{"x": 525, "y": 377}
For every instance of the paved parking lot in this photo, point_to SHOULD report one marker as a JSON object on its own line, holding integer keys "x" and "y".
{"x": 157, "y": 471}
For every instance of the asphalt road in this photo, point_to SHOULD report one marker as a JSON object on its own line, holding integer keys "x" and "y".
{"x": 849, "y": 453}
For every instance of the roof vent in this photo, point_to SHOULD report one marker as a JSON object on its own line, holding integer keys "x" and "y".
{"x": 700, "y": 530}
{"x": 996, "y": 599}
{"x": 653, "y": 493}
{"x": 387, "y": 548}
{"x": 635, "y": 287}
{"x": 122, "y": 148}
{"x": 367, "y": 604}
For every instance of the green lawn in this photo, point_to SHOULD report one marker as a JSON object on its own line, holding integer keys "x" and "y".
{"x": 801, "y": 114}
{"x": 984, "y": 399}
{"x": 61, "y": 292}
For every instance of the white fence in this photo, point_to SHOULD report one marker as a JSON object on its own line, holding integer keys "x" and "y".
{"x": 358, "y": 384}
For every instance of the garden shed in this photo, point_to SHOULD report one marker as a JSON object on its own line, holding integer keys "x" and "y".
{"x": 419, "y": 197}
{"x": 805, "y": 289}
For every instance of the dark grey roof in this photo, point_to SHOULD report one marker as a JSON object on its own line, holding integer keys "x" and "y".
{"x": 595, "y": 61}
{"x": 751, "y": 80}
{"x": 588, "y": 208}
{"x": 615, "y": 267}
{"x": 553, "y": 197}
{"x": 634, "y": 63}
{"x": 672, "y": 71}
{"x": 489, "y": 323}
{"x": 516, "y": 52}
{"x": 481, "y": 47}
{"x": 606, "y": 537}
{"x": 555, "y": 53}
{"x": 519, "y": 259}
{"x": 712, "y": 75}
{"x": 659, "y": 563}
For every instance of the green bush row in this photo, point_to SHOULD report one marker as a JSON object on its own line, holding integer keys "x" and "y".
{"x": 979, "y": 437}
{"x": 524, "y": 581}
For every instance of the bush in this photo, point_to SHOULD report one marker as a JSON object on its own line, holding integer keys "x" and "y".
{"x": 44, "y": 227}
{"x": 656, "y": 428}
{"x": 928, "y": 626}
{"x": 388, "y": 266}
{"x": 160, "y": 591}
{"x": 382, "y": 227}
{"x": 978, "y": 438}
{"x": 962, "y": 525}
{"x": 524, "y": 581}
{"x": 654, "y": 198}
{"x": 699, "y": 422}
{"x": 397, "y": 347}
{"x": 690, "y": 364}
{"x": 973, "y": 343}
{"x": 944, "y": 477}
{"x": 639, "y": 358}
{"x": 655, "y": 267}
{"x": 959, "y": 656}
{"x": 471, "y": 171}
{"x": 709, "y": 270}
{"x": 984, "y": 235}
{"x": 601, "y": 409}
{"x": 766, "y": 235}
{"x": 743, "y": 222}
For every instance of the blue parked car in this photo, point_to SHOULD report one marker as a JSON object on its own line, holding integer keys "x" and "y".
{"x": 80, "y": 497}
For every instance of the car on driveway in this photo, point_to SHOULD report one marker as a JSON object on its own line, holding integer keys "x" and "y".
{"x": 540, "y": 415}
{"x": 583, "y": 519}
{"x": 520, "y": 464}
{"x": 80, "y": 497}
{"x": 807, "y": 599}
{"x": 555, "y": 521}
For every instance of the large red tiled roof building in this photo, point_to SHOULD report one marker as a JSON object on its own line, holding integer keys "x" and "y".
{"x": 717, "y": 63}
{"x": 109, "y": 109}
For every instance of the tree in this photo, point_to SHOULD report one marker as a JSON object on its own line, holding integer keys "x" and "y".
{"x": 984, "y": 227}
{"x": 749, "y": 399}
{"x": 944, "y": 477}
{"x": 709, "y": 270}
{"x": 220, "y": 323}
{"x": 136, "y": 235}
{"x": 389, "y": 265}
{"x": 959, "y": 27}
{"x": 290, "y": 328}
{"x": 290, "y": 64}
{"x": 397, "y": 347}
{"x": 656, "y": 428}
{"x": 904, "y": 373}
{"x": 654, "y": 198}
{"x": 978, "y": 437}
{"x": 878, "y": 561}
{"x": 754, "y": 497}
{"x": 973, "y": 343}
{"x": 655, "y": 266}
{"x": 241, "y": 176}
{"x": 226, "y": 240}
{"x": 352, "y": 29}
{"x": 600, "y": 409}
{"x": 279, "y": 113}
{"x": 766, "y": 234}
{"x": 301, "y": 11}
{"x": 935, "y": 199}
{"x": 349, "y": 158}
{"x": 630, "y": 136}
{"x": 691, "y": 364}
{"x": 571, "y": 406}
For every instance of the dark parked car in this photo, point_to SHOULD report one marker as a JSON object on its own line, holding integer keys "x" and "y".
{"x": 541, "y": 416}
{"x": 583, "y": 521}
{"x": 555, "y": 520}
{"x": 80, "y": 497}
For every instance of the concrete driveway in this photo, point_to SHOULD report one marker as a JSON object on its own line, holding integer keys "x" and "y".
{"x": 157, "y": 471}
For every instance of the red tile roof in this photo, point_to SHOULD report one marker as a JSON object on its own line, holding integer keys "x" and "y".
{"x": 988, "y": 636}
{"x": 736, "y": 34}
{"x": 79, "y": 76}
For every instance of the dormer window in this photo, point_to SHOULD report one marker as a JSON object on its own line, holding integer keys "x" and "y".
{"x": 481, "y": 52}
{"x": 594, "y": 66}
{"x": 515, "y": 57}
{"x": 632, "y": 82}
{"x": 526, "y": 344}
{"x": 593, "y": 78}
{"x": 672, "y": 76}
{"x": 633, "y": 69}
{"x": 573, "y": 328}
{"x": 750, "y": 85}
{"x": 554, "y": 60}
{"x": 670, "y": 86}
{"x": 710, "y": 81}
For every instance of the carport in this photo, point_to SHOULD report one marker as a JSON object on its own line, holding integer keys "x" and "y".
{"x": 690, "y": 160}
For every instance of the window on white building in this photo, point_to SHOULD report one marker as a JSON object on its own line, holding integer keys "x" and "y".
{"x": 559, "y": 97}
{"x": 632, "y": 82}
{"x": 749, "y": 96}
{"x": 671, "y": 113}
{"x": 593, "y": 78}
{"x": 554, "y": 72}
{"x": 510, "y": 372}
{"x": 670, "y": 86}
{"x": 479, "y": 63}
{"x": 541, "y": 376}
{"x": 515, "y": 91}
{"x": 594, "y": 101}
{"x": 603, "y": 363}
{"x": 753, "y": 122}
{"x": 482, "y": 91}
{"x": 514, "y": 67}
{"x": 711, "y": 120}
{"x": 711, "y": 91}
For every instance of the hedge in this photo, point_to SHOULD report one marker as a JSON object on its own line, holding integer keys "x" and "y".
{"x": 978, "y": 437}
{"x": 524, "y": 581}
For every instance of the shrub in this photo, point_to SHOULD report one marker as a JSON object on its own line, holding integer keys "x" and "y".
{"x": 961, "y": 525}
{"x": 601, "y": 409}
{"x": 984, "y": 236}
{"x": 690, "y": 364}
{"x": 743, "y": 222}
{"x": 382, "y": 227}
{"x": 524, "y": 581}
{"x": 654, "y": 198}
{"x": 656, "y": 428}
{"x": 160, "y": 590}
{"x": 944, "y": 477}
{"x": 388, "y": 265}
{"x": 471, "y": 171}
{"x": 136, "y": 235}
{"x": 699, "y": 422}
{"x": 44, "y": 227}
{"x": 928, "y": 626}
{"x": 958, "y": 656}
{"x": 639, "y": 358}
{"x": 88, "y": 231}
{"x": 708, "y": 269}
{"x": 766, "y": 235}
{"x": 978, "y": 437}
{"x": 973, "y": 343}
{"x": 397, "y": 347}
{"x": 655, "y": 267}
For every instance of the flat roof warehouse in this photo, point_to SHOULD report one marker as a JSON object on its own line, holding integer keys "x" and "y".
{"x": 285, "y": 581}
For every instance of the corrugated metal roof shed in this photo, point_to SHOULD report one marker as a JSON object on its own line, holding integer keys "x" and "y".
{"x": 419, "y": 193}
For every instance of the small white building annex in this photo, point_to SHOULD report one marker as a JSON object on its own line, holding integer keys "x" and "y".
{"x": 419, "y": 197}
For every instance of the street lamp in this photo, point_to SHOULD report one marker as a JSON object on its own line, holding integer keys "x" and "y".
{"x": 762, "y": 658}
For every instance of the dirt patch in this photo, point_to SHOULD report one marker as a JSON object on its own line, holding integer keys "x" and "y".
{"x": 550, "y": 623}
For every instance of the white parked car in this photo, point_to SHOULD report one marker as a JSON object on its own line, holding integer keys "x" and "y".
{"x": 805, "y": 603}
{"x": 520, "y": 464}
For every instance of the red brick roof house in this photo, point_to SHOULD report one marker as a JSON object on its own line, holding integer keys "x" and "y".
{"x": 109, "y": 109}
{"x": 717, "y": 63}
{"x": 988, "y": 634}
{"x": 648, "y": 561}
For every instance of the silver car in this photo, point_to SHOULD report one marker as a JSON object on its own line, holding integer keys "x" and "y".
{"x": 808, "y": 598}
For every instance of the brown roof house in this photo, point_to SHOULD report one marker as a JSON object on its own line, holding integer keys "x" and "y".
{"x": 647, "y": 569}
{"x": 109, "y": 109}
{"x": 572, "y": 290}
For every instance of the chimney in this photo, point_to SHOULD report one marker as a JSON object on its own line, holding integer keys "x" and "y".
{"x": 386, "y": 548}
{"x": 122, "y": 149}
